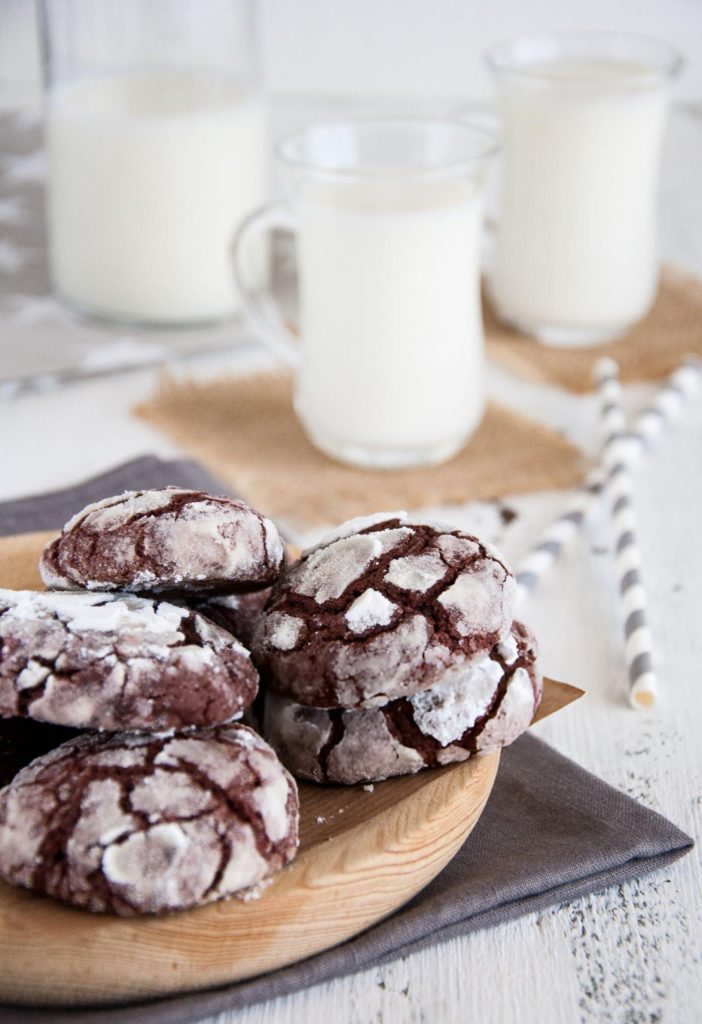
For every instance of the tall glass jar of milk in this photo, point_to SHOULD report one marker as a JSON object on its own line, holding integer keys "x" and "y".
{"x": 576, "y": 259}
{"x": 157, "y": 143}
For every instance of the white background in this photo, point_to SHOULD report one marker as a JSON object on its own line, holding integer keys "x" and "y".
{"x": 399, "y": 47}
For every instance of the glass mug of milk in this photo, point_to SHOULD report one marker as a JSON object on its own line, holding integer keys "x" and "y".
{"x": 387, "y": 218}
{"x": 157, "y": 149}
{"x": 576, "y": 259}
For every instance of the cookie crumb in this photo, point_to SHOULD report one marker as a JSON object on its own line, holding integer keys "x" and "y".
{"x": 507, "y": 514}
{"x": 321, "y": 820}
{"x": 369, "y": 788}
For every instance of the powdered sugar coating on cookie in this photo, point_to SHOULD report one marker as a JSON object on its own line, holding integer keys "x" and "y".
{"x": 416, "y": 572}
{"x": 389, "y": 606}
{"x": 328, "y": 572}
{"x": 446, "y": 711}
{"x": 103, "y": 661}
{"x": 285, "y": 631}
{"x": 356, "y": 525}
{"x": 148, "y": 824}
{"x": 486, "y": 706}
{"x": 169, "y": 539}
{"x": 369, "y": 610}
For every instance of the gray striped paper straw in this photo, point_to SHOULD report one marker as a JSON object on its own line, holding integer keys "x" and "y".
{"x": 637, "y": 637}
{"x": 645, "y": 428}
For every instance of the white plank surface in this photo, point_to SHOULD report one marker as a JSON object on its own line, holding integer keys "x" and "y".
{"x": 634, "y": 953}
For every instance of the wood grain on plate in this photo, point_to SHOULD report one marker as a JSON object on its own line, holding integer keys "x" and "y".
{"x": 363, "y": 853}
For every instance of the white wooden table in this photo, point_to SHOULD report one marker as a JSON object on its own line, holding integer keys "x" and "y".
{"x": 631, "y": 954}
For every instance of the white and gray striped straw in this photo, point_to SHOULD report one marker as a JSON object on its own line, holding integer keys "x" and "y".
{"x": 646, "y": 426}
{"x": 637, "y": 636}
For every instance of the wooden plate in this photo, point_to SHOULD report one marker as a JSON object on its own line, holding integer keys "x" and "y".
{"x": 362, "y": 855}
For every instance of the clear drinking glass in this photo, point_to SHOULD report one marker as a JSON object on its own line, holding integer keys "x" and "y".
{"x": 387, "y": 216}
{"x": 157, "y": 149}
{"x": 576, "y": 258}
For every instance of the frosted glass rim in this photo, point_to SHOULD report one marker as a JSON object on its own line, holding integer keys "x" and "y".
{"x": 476, "y": 142}
{"x": 517, "y": 55}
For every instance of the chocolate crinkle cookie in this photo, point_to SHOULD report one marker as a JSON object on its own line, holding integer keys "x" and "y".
{"x": 486, "y": 706}
{"x": 237, "y": 613}
{"x": 165, "y": 540}
{"x": 103, "y": 661}
{"x": 134, "y": 824}
{"x": 386, "y": 606}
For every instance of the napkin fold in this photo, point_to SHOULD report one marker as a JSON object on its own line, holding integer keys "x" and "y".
{"x": 550, "y": 832}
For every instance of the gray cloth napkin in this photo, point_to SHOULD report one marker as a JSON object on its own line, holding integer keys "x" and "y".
{"x": 51, "y": 510}
{"x": 550, "y": 832}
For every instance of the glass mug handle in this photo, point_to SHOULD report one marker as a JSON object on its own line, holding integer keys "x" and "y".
{"x": 258, "y": 303}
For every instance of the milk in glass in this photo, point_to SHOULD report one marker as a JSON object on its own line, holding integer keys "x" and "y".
{"x": 149, "y": 176}
{"x": 392, "y": 347}
{"x": 576, "y": 255}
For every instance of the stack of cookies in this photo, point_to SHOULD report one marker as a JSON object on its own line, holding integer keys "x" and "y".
{"x": 392, "y": 646}
{"x": 157, "y": 800}
{"x": 389, "y": 647}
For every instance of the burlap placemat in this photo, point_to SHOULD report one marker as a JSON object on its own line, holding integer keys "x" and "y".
{"x": 245, "y": 431}
{"x": 651, "y": 350}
